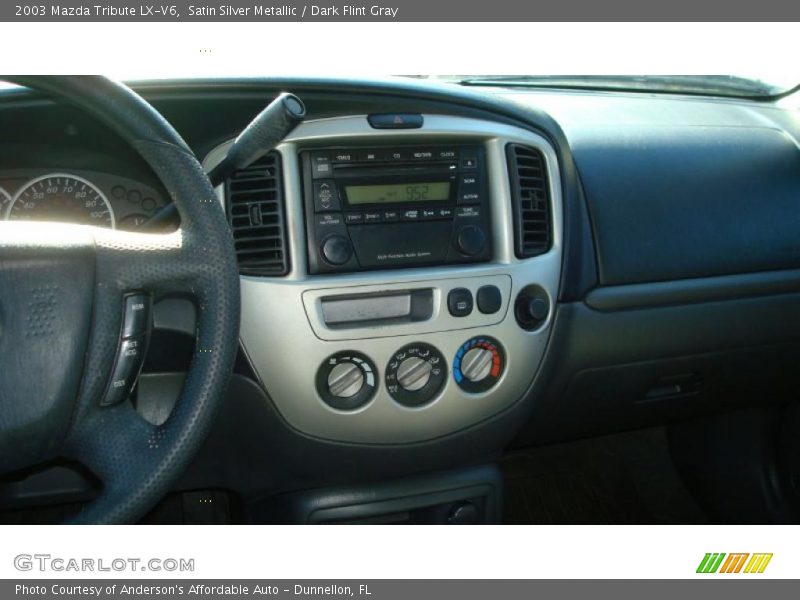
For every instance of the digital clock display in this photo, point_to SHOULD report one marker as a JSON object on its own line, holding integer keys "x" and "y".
{"x": 399, "y": 193}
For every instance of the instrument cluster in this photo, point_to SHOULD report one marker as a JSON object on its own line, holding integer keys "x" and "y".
{"x": 77, "y": 196}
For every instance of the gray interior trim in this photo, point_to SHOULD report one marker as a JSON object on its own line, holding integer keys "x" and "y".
{"x": 283, "y": 330}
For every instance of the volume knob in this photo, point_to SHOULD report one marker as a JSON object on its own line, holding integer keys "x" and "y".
{"x": 413, "y": 373}
{"x": 345, "y": 379}
{"x": 476, "y": 364}
{"x": 471, "y": 240}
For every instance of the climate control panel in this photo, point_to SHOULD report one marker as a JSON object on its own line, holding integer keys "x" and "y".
{"x": 416, "y": 374}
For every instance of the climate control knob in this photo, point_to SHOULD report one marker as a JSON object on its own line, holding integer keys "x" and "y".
{"x": 479, "y": 364}
{"x": 347, "y": 380}
{"x": 415, "y": 374}
{"x": 476, "y": 364}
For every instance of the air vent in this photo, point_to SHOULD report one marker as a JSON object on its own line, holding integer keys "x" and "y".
{"x": 530, "y": 195}
{"x": 256, "y": 215}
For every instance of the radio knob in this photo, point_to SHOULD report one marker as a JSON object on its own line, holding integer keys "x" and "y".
{"x": 471, "y": 240}
{"x": 345, "y": 379}
{"x": 476, "y": 364}
{"x": 337, "y": 249}
{"x": 413, "y": 373}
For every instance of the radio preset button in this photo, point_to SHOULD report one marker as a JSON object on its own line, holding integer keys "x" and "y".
{"x": 326, "y": 196}
{"x": 373, "y": 217}
{"x": 411, "y": 215}
{"x": 429, "y": 213}
{"x": 445, "y": 213}
{"x": 390, "y": 216}
{"x": 459, "y": 302}
{"x": 354, "y": 218}
{"x": 337, "y": 250}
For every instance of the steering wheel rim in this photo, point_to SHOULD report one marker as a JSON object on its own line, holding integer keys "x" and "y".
{"x": 137, "y": 461}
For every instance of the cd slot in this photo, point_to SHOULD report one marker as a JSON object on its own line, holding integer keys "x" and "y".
{"x": 375, "y": 309}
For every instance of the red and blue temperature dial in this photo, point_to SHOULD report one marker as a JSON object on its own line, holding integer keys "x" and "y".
{"x": 479, "y": 364}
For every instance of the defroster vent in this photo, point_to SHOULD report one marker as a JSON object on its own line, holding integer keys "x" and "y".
{"x": 256, "y": 211}
{"x": 530, "y": 195}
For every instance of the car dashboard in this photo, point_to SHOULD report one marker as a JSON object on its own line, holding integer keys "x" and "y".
{"x": 481, "y": 270}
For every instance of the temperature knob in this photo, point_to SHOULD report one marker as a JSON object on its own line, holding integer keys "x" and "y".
{"x": 416, "y": 374}
{"x": 478, "y": 364}
{"x": 347, "y": 380}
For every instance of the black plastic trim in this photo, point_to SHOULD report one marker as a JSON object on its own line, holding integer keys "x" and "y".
{"x": 689, "y": 291}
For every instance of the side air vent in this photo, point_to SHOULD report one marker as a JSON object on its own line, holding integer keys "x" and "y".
{"x": 530, "y": 195}
{"x": 256, "y": 214}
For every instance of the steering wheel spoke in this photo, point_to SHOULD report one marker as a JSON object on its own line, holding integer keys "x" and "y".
{"x": 77, "y": 342}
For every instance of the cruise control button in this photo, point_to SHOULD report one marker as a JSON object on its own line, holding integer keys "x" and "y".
{"x": 126, "y": 368}
{"x": 459, "y": 302}
{"x": 136, "y": 315}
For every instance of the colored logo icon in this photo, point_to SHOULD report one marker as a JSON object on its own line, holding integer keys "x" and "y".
{"x": 740, "y": 562}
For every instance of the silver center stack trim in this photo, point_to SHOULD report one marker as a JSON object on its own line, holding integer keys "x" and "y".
{"x": 283, "y": 328}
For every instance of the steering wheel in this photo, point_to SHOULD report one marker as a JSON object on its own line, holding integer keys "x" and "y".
{"x": 62, "y": 291}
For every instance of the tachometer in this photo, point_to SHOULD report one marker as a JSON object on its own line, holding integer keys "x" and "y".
{"x": 63, "y": 198}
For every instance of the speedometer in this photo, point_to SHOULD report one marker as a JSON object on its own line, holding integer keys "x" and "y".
{"x": 5, "y": 200}
{"x": 64, "y": 198}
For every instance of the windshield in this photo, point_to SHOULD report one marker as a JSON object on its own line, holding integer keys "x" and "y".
{"x": 722, "y": 85}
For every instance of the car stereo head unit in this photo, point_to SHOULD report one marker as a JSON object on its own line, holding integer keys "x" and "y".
{"x": 399, "y": 206}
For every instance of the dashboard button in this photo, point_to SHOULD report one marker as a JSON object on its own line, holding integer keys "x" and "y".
{"x": 373, "y": 217}
{"x": 471, "y": 240}
{"x": 354, "y": 218}
{"x": 489, "y": 299}
{"x": 320, "y": 166}
{"x": 130, "y": 357}
{"x": 395, "y": 121}
{"x": 326, "y": 196}
{"x": 337, "y": 249}
{"x": 459, "y": 302}
{"x": 136, "y": 316}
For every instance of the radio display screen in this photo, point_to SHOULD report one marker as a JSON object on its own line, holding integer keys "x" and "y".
{"x": 398, "y": 193}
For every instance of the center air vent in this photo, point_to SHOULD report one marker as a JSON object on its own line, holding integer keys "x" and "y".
{"x": 530, "y": 195}
{"x": 256, "y": 214}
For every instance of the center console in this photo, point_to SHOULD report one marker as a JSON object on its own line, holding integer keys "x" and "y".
{"x": 412, "y": 307}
